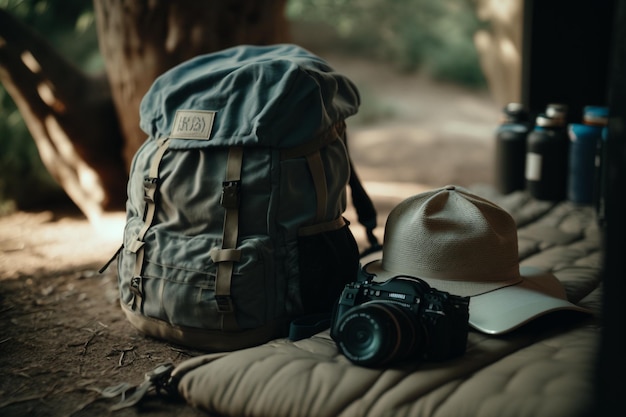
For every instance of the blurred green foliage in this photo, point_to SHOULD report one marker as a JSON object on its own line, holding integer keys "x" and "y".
{"x": 70, "y": 27}
{"x": 427, "y": 35}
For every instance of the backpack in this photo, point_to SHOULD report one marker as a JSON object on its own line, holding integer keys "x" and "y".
{"x": 234, "y": 223}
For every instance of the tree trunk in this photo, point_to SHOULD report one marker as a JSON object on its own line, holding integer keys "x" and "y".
{"x": 86, "y": 128}
{"x": 500, "y": 48}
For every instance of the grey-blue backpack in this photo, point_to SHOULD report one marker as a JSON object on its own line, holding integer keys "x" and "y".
{"x": 235, "y": 202}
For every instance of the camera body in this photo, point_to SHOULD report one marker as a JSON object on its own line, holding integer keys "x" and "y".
{"x": 376, "y": 323}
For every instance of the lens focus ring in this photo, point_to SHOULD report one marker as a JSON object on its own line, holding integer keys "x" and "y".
{"x": 376, "y": 333}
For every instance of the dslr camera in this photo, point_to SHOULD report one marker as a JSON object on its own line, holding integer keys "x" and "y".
{"x": 375, "y": 324}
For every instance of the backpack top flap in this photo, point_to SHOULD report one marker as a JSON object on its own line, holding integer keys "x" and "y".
{"x": 278, "y": 96}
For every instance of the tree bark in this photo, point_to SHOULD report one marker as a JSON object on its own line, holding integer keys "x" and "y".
{"x": 69, "y": 114}
{"x": 87, "y": 128}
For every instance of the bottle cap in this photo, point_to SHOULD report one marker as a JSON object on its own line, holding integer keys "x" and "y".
{"x": 553, "y": 109}
{"x": 543, "y": 120}
{"x": 514, "y": 112}
{"x": 514, "y": 108}
{"x": 596, "y": 115}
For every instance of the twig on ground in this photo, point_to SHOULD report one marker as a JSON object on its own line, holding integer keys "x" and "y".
{"x": 181, "y": 352}
{"x": 120, "y": 363}
{"x": 84, "y": 351}
{"x": 85, "y": 344}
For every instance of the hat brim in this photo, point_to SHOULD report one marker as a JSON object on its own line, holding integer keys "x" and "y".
{"x": 508, "y": 306}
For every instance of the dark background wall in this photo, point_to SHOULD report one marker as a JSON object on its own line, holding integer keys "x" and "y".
{"x": 566, "y": 50}
{"x": 612, "y": 360}
{"x": 575, "y": 53}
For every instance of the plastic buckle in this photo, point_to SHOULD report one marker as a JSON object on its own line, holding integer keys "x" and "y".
{"x": 135, "y": 285}
{"x": 158, "y": 379}
{"x": 160, "y": 375}
{"x": 149, "y": 186}
{"x": 230, "y": 194}
{"x": 224, "y": 304}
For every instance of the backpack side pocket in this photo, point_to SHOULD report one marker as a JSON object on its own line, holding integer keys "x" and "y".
{"x": 328, "y": 261}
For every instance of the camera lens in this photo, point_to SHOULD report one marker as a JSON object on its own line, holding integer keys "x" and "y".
{"x": 376, "y": 333}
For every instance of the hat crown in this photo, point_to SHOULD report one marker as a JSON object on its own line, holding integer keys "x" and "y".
{"x": 451, "y": 234}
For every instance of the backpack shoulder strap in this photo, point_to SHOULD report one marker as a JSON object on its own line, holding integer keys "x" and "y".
{"x": 366, "y": 213}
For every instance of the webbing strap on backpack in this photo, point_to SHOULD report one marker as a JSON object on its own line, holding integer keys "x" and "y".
{"x": 365, "y": 210}
{"x": 316, "y": 167}
{"x": 366, "y": 213}
{"x": 137, "y": 246}
{"x": 228, "y": 254}
{"x": 311, "y": 152}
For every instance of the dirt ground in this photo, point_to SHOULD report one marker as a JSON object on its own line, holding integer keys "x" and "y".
{"x": 63, "y": 336}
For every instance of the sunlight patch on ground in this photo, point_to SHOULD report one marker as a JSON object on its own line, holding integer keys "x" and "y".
{"x": 110, "y": 226}
{"x": 380, "y": 135}
{"x": 394, "y": 190}
{"x": 44, "y": 243}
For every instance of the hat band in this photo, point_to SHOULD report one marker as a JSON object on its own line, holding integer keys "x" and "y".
{"x": 501, "y": 275}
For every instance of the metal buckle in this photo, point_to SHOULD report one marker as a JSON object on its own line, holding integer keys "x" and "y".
{"x": 224, "y": 304}
{"x": 230, "y": 194}
{"x": 149, "y": 186}
{"x": 135, "y": 285}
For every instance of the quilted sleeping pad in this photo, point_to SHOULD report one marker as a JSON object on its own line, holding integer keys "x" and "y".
{"x": 544, "y": 369}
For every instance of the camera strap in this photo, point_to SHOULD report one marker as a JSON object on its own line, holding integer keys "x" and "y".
{"x": 306, "y": 326}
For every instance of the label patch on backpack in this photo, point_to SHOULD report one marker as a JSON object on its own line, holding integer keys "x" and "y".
{"x": 193, "y": 124}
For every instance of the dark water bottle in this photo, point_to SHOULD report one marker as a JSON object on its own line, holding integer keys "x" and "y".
{"x": 584, "y": 138}
{"x": 546, "y": 159}
{"x": 511, "y": 138}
